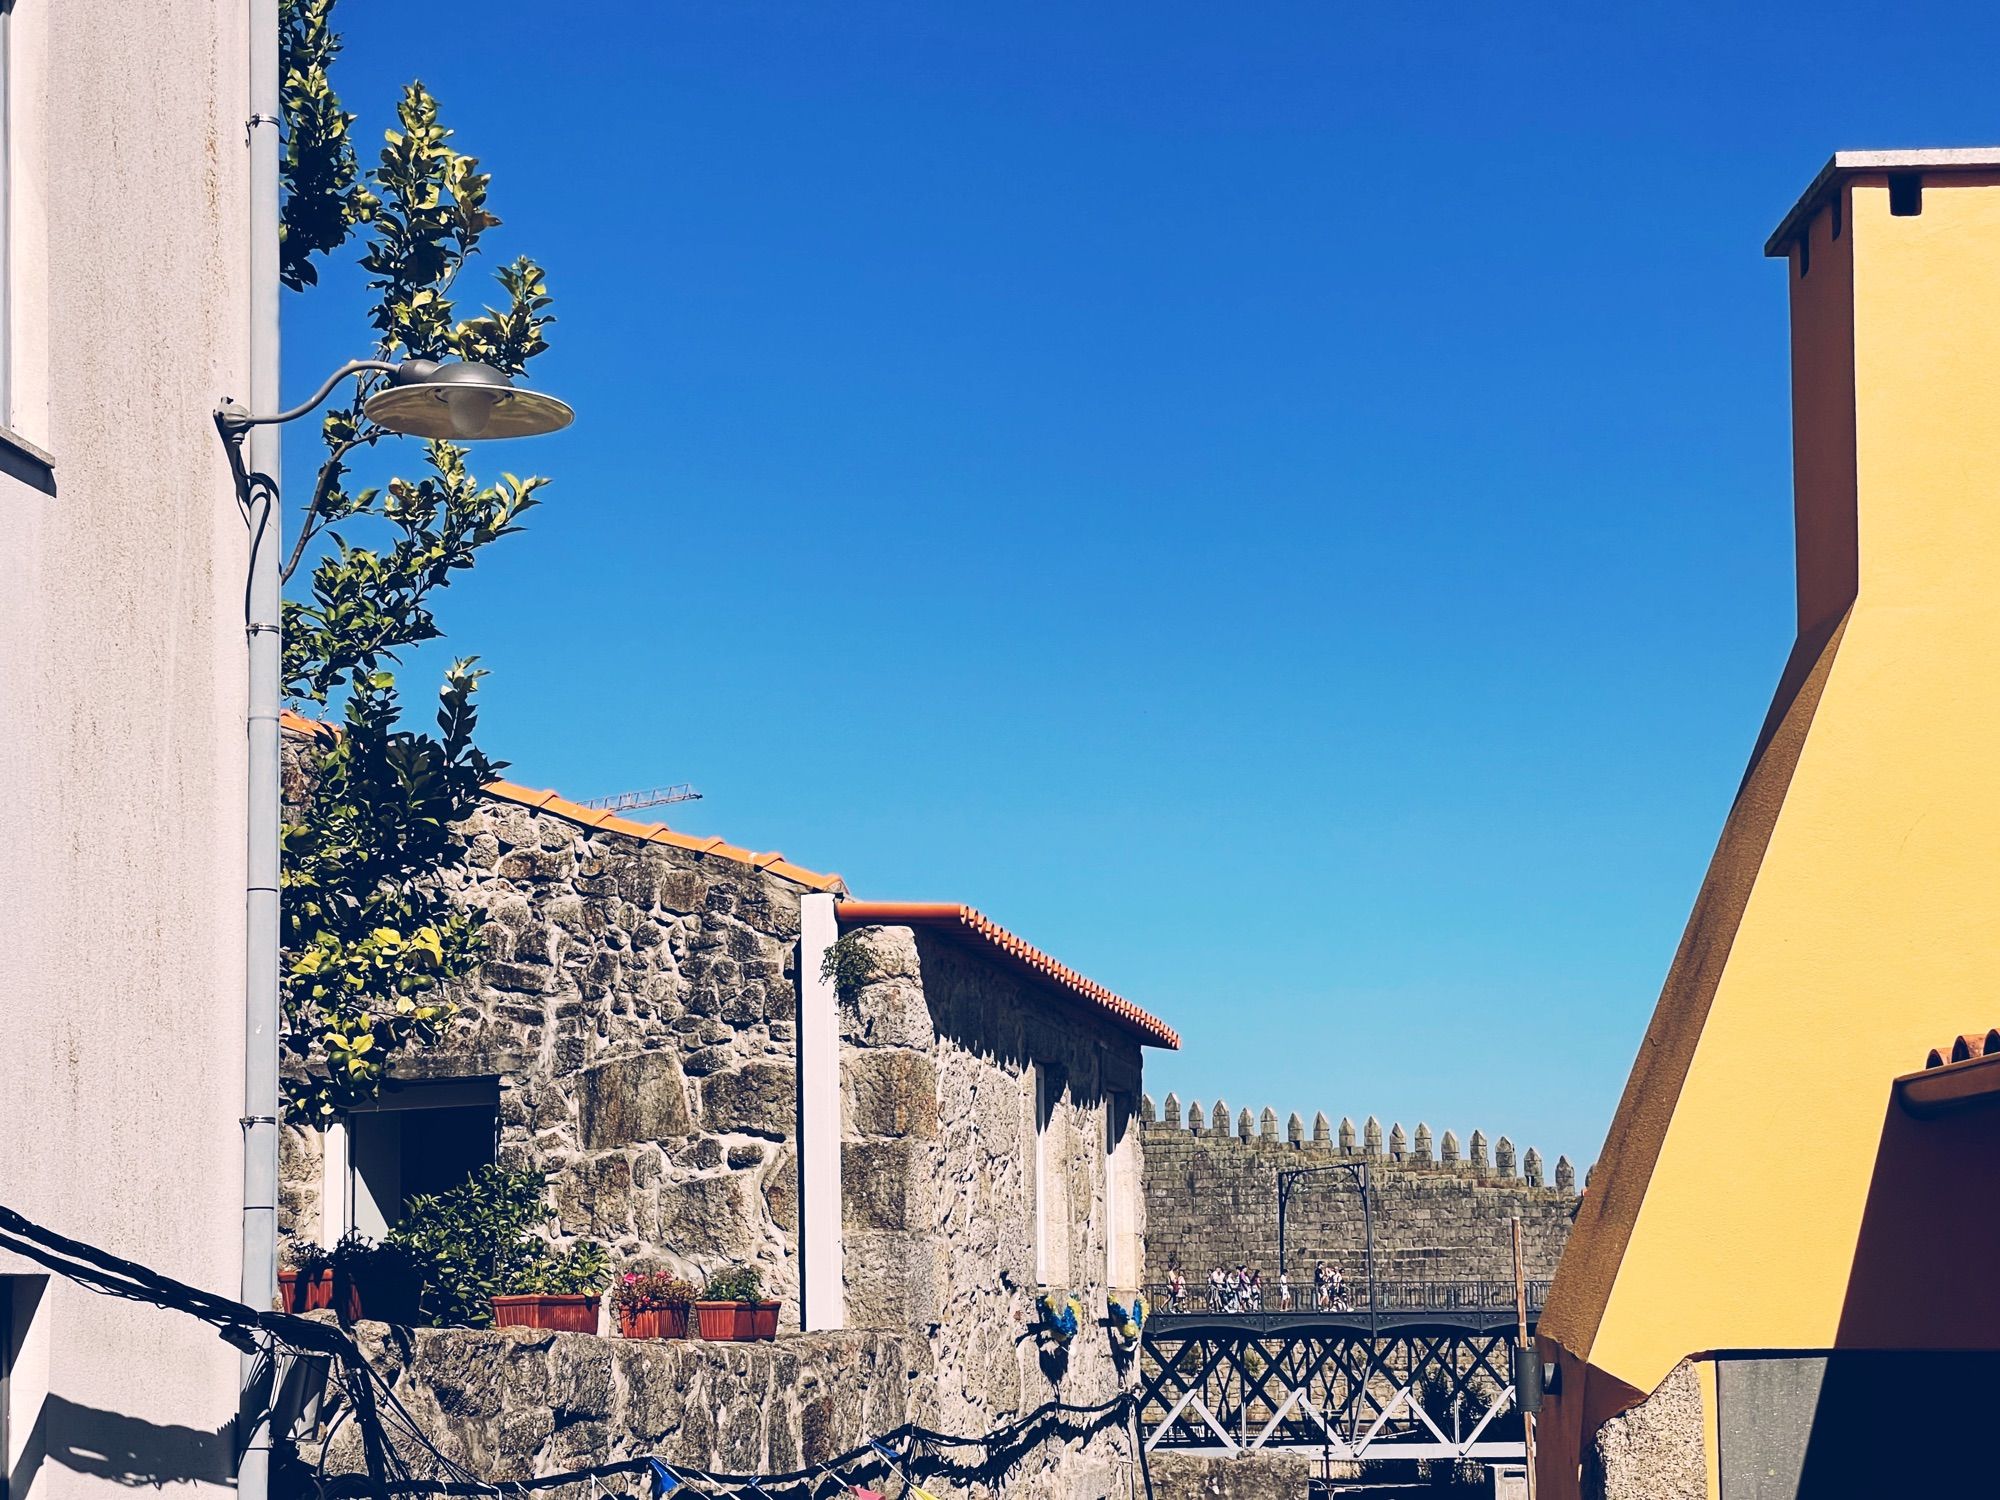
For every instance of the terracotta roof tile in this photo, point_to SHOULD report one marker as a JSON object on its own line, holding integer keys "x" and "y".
{"x": 1964, "y": 1071}
{"x": 967, "y": 923}
{"x": 965, "y": 920}
{"x": 559, "y": 806}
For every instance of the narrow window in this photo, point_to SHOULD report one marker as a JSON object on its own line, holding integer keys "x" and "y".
{"x": 1839, "y": 205}
{"x": 1117, "y": 1253}
{"x": 1052, "y": 1193}
{"x": 1906, "y": 194}
{"x": 24, "y": 1369}
{"x": 1044, "y": 1113}
{"x": 6, "y": 1380}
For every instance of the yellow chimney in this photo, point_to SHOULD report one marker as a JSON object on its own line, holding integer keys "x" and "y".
{"x": 1760, "y": 1187}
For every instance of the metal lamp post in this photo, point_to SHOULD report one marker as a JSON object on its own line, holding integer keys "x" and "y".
{"x": 1288, "y": 1181}
{"x": 463, "y": 402}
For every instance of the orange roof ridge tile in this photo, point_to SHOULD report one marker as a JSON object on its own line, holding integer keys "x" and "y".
{"x": 558, "y": 806}
{"x": 1023, "y": 954}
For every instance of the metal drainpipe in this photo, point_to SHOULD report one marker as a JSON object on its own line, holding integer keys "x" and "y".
{"x": 260, "y": 976}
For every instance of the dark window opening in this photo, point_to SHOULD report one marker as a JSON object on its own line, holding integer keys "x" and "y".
{"x": 1906, "y": 194}
{"x": 420, "y": 1139}
{"x": 1839, "y": 204}
{"x": 1805, "y": 252}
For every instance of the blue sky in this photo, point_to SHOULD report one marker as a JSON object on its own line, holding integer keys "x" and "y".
{"x": 1286, "y": 506}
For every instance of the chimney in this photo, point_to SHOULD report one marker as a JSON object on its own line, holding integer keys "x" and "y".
{"x": 1894, "y": 261}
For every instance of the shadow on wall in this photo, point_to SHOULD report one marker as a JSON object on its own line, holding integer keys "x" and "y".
{"x": 1903, "y": 1403}
{"x": 126, "y": 1450}
{"x": 1930, "y": 1236}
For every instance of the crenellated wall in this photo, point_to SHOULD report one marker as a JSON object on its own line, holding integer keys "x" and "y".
{"x": 1441, "y": 1205}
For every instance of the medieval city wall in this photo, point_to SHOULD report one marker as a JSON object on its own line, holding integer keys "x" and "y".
{"x": 1441, "y": 1204}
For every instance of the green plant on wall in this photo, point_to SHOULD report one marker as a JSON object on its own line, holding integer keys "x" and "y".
{"x": 371, "y": 939}
{"x": 848, "y": 964}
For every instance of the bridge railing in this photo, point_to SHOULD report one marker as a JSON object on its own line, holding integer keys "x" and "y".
{"x": 1390, "y": 1296}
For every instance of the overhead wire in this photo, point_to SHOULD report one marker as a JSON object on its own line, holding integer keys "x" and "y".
{"x": 369, "y": 1396}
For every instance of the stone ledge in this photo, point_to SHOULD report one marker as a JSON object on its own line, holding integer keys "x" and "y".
{"x": 517, "y": 1403}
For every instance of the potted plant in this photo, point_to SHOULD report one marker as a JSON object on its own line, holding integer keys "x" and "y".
{"x": 357, "y": 1278}
{"x": 478, "y": 1243}
{"x": 308, "y": 1285}
{"x": 732, "y": 1307}
{"x": 652, "y": 1305}
{"x": 557, "y": 1290}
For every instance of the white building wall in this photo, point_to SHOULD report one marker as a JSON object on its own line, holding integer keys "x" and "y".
{"x": 121, "y": 736}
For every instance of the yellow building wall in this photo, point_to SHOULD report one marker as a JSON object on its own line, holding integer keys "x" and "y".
{"x": 1759, "y": 1184}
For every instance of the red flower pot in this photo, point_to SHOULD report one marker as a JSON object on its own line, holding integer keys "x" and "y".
{"x": 302, "y": 1292}
{"x": 385, "y": 1292}
{"x": 737, "y": 1322}
{"x": 299, "y": 1292}
{"x": 560, "y": 1314}
{"x": 653, "y": 1323}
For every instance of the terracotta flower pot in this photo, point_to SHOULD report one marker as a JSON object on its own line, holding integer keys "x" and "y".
{"x": 561, "y": 1314}
{"x": 300, "y": 1292}
{"x": 737, "y": 1322}
{"x": 653, "y": 1323}
{"x": 387, "y": 1293}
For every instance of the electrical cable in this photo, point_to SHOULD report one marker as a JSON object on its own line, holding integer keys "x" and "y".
{"x": 369, "y": 1396}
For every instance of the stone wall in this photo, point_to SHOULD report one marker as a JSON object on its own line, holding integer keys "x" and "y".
{"x": 938, "y": 1186}
{"x": 517, "y": 1403}
{"x": 1247, "y": 1476}
{"x": 639, "y": 1009}
{"x": 1654, "y": 1450}
{"x": 1441, "y": 1209}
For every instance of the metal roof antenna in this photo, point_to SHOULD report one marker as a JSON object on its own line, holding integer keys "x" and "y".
{"x": 658, "y": 796}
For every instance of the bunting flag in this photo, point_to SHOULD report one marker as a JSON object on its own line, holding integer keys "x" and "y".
{"x": 862, "y": 1492}
{"x": 665, "y": 1481}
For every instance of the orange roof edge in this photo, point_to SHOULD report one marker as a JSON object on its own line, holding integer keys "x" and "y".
{"x": 1014, "y": 950}
{"x": 555, "y": 805}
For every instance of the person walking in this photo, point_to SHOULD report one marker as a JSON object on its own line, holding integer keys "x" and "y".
{"x": 1284, "y": 1292}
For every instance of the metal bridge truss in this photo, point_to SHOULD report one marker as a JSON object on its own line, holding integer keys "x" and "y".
{"x": 1413, "y": 1392}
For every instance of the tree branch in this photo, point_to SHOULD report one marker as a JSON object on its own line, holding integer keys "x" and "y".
{"x": 312, "y": 523}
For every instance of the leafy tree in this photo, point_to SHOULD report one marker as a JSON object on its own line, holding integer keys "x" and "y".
{"x": 371, "y": 937}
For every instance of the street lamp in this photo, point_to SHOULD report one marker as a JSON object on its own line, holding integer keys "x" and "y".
{"x": 459, "y": 401}
{"x": 462, "y": 401}
{"x": 1288, "y": 1181}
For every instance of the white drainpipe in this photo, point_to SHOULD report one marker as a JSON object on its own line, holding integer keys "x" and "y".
{"x": 259, "y": 1279}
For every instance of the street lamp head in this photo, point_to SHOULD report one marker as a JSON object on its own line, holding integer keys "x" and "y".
{"x": 462, "y": 402}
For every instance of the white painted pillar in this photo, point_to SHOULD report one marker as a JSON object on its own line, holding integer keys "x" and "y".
{"x": 336, "y": 1211}
{"x": 824, "y": 1297}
